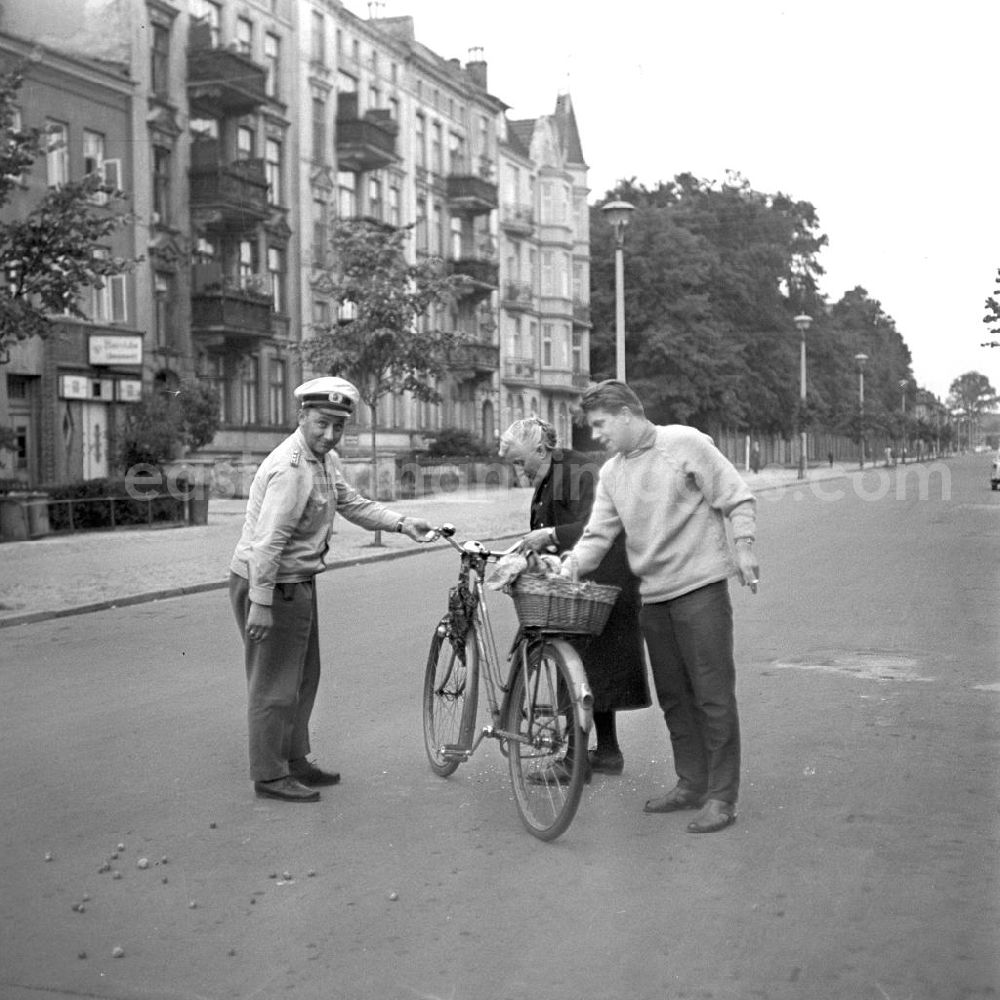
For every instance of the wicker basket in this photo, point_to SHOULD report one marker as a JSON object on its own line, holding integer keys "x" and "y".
{"x": 560, "y": 605}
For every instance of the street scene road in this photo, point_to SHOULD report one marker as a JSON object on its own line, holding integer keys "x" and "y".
{"x": 863, "y": 865}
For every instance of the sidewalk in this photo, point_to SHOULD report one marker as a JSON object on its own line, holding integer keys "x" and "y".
{"x": 90, "y": 571}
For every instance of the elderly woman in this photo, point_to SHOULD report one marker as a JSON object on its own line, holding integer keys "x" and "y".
{"x": 564, "y": 483}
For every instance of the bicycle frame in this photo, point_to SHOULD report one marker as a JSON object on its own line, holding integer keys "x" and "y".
{"x": 472, "y": 577}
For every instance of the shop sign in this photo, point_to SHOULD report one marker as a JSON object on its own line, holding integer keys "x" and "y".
{"x": 74, "y": 387}
{"x": 129, "y": 390}
{"x": 115, "y": 349}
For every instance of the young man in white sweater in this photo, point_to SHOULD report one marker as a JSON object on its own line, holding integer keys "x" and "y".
{"x": 672, "y": 493}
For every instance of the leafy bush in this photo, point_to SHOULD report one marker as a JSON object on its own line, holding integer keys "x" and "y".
{"x": 454, "y": 441}
{"x": 163, "y": 424}
{"x": 93, "y": 506}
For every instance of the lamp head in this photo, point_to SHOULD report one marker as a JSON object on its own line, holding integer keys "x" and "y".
{"x": 802, "y": 323}
{"x": 618, "y": 213}
{"x": 861, "y": 359}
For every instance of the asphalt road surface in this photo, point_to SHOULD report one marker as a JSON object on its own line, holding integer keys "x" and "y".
{"x": 863, "y": 865}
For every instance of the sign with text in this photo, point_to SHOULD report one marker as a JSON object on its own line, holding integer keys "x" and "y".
{"x": 129, "y": 390}
{"x": 115, "y": 349}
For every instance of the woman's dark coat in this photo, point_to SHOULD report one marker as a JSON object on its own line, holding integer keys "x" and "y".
{"x": 614, "y": 660}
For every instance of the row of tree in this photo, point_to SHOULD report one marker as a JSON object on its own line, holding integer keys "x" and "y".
{"x": 715, "y": 274}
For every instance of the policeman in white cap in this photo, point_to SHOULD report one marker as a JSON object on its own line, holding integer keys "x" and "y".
{"x": 286, "y": 534}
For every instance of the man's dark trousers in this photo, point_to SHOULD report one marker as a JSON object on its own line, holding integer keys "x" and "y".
{"x": 282, "y": 676}
{"x": 690, "y": 643}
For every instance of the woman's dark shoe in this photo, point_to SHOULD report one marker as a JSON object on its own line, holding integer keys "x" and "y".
{"x": 606, "y": 761}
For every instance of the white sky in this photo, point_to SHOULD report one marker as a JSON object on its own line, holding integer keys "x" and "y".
{"x": 883, "y": 114}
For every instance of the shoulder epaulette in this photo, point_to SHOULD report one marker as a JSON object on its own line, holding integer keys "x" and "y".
{"x": 295, "y": 457}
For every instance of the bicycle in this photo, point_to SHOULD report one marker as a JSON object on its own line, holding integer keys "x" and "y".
{"x": 540, "y": 713}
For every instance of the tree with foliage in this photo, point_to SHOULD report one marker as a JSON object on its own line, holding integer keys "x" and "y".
{"x": 973, "y": 394}
{"x": 714, "y": 275}
{"x": 386, "y": 343}
{"x": 992, "y": 317}
{"x": 168, "y": 421}
{"x": 56, "y": 249}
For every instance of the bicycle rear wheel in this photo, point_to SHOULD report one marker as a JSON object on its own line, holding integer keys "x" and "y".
{"x": 547, "y": 751}
{"x": 451, "y": 692}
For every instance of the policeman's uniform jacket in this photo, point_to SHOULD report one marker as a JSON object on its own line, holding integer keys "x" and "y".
{"x": 290, "y": 511}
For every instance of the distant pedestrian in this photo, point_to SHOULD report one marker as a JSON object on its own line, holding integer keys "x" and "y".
{"x": 829, "y": 455}
{"x": 673, "y": 495}
{"x": 755, "y": 457}
{"x": 294, "y": 496}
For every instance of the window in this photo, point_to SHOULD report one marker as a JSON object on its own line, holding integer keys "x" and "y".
{"x": 211, "y": 14}
{"x": 395, "y": 206}
{"x": 318, "y": 130}
{"x": 320, "y": 236}
{"x": 93, "y": 152}
{"x": 244, "y": 36}
{"x": 163, "y": 297}
{"x": 577, "y": 352}
{"x": 16, "y": 125}
{"x": 420, "y": 143}
{"x": 376, "y": 208}
{"x": 276, "y": 277}
{"x": 321, "y": 312}
{"x": 547, "y": 202}
{"x": 159, "y": 61}
{"x": 272, "y": 170}
{"x": 215, "y": 376}
{"x": 374, "y": 98}
{"x": 346, "y": 84}
{"x": 318, "y": 49}
{"x": 548, "y": 273}
{"x": 249, "y": 387}
{"x": 394, "y": 108}
{"x": 547, "y": 344}
{"x": 272, "y": 61}
{"x": 246, "y": 143}
{"x": 421, "y": 229}
{"x": 108, "y": 304}
{"x": 437, "y": 220}
{"x": 347, "y": 196}
{"x": 57, "y": 153}
{"x": 247, "y": 267}
{"x": 456, "y": 154}
{"x": 456, "y": 238}
{"x": 276, "y": 392}
{"x": 161, "y": 185}
{"x": 436, "y": 151}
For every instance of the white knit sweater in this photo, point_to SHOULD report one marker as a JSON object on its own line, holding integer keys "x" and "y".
{"x": 671, "y": 497}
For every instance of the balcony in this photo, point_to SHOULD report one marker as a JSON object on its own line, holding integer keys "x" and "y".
{"x": 230, "y": 197}
{"x": 482, "y": 274}
{"x": 475, "y": 359}
{"x": 363, "y": 143}
{"x": 517, "y": 295}
{"x": 519, "y": 371}
{"x": 222, "y": 82}
{"x": 223, "y": 314}
{"x": 470, "y": 195}
{"x": 518, "y": 219}
{"x": 562, "y": 380}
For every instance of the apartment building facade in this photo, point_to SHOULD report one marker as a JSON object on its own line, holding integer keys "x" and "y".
{"x": 246, "y": 129}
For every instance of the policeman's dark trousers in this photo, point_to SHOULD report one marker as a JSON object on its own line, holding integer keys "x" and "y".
{"x": 690, "y": 643}
{"x": 282, "y": 676}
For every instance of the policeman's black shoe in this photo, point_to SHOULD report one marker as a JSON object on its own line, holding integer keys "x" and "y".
{"x": 286, "y": 789}
{"x": 606, "y": 761}
{"x": 677, "y": 798}
{"x": 314, "y": 777}
{"x": 715, "y": 815}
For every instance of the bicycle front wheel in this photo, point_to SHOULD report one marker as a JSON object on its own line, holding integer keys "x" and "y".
{"x": 547, "y": 749}
{"x": 451, "y": 691}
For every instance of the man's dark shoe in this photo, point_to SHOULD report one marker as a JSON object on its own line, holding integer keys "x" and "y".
{"x": 677, "y": 798}
{"x": 606, "y": 761}
{"x": 287, "y": 789}
{"x": 714, "y": 815}
{"x": 313, "y": 776}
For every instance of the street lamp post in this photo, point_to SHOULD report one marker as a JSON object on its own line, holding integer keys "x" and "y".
{"x": 802, "y": 323}
{"x": 617, "y": 213}
{"x": 861, "y": 359}
{"x": 903, "y": 383}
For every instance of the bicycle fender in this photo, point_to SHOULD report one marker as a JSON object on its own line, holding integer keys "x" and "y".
{"x": 582, "y": 694}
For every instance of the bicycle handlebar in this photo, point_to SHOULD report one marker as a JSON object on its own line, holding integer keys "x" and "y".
{"x": 471, "y": 546}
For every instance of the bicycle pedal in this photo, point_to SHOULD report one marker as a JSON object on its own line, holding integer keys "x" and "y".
{"x": 454, "y": 751}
